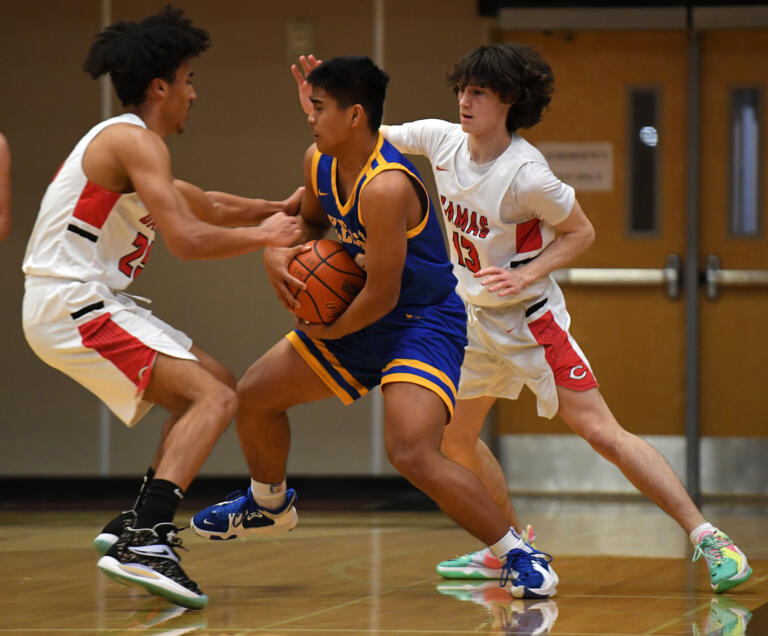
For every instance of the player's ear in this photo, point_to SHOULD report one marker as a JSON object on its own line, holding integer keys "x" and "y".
{"x": 158, "y": 86}
{"x": 356, "y": 116}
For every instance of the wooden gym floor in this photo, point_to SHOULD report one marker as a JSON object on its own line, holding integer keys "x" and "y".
{"x": 624, "y": 569}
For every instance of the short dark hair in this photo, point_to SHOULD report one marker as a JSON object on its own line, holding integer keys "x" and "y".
{"x": 354, "y": 80}
{"x": 135, "y": 53}
{"x": 518, "y": 73}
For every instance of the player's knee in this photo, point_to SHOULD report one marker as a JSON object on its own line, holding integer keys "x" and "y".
{"x": 603, "y": 440}
{"x": 410, "y": 461}
{"x": 252, "y": 394}
{"x": 456, "y": 443}
{"x": 224, "y": 400}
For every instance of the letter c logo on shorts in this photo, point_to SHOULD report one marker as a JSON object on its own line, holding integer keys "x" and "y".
{"x": 575, "y": 376}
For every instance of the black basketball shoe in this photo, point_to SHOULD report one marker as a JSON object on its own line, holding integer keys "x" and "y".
{"x": 146, "y": 558}
{"x": 112, "y": 531}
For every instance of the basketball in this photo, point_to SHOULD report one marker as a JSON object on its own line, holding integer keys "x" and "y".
{"x": 332, "y": 277}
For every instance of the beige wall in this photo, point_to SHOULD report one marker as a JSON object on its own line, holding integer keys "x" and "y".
{"x": 246, "y": 135}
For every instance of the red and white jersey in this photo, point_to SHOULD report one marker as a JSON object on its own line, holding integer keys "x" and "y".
{"x": 496, "y": 214}
{"x": 88, "y": 233}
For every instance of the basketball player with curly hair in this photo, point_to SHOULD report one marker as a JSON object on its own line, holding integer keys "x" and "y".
{"x": 92, "y": 238}
{"x": 510, "y": 223}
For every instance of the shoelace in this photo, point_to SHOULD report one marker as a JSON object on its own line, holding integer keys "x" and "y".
{"x": 524, "y": 565}
{"x": 711, "y": 549}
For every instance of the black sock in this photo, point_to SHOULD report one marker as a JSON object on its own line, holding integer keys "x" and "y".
{"x": 159, "y": 505}
{"x": 143, "y": 489}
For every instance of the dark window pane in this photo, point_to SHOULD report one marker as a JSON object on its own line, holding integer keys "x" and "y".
{"x": 643, "y": 161}
{"x": 745, "y": 162}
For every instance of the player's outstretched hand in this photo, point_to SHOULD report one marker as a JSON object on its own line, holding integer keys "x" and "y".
{"x": 293, "y": 203}
{"x": 276, "y": 262}
{"x": 308, "y": 64}
{"x": 280, "y": 230}
{"x": 504, "y": 281}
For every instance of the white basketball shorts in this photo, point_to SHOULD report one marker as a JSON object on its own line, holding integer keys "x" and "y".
{"x": 515, "y": 345}
{"x": 100, "y": 338}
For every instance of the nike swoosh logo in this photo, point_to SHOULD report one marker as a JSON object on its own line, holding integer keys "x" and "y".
{"x": 208, "y": 523}
{"x": 322, "y": 194}
{"x": 154, "y": 551}
{"x": 441, "y": 169}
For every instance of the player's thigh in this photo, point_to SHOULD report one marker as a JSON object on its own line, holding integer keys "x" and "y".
{"x": 585, "y": 411}
{"x": 213, "y": 366}
{"x": 279, "y": 379}
{"x": 468, "y": 418}
{"x": 414, "y": 417}
{"x": 176, "y": 383}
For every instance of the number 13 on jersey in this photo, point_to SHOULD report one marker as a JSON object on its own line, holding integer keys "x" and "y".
{"x": 466, "y": 252}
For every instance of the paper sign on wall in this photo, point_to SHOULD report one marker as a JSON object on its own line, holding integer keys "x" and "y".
{"x": 583, "y": 165}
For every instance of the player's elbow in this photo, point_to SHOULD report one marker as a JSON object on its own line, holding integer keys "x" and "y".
{"x": 185, "y": 247}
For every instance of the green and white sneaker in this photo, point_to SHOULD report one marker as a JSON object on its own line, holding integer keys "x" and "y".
{"x": 480, "y": 565}
{"x": 727, "y": 564}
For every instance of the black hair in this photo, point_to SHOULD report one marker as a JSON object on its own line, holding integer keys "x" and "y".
{"x": 135, "y": 53}
{"x": 518, "y": 73}
{"x": 354, "y": 80}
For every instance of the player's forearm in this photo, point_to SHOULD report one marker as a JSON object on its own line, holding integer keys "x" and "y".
{"x": 558, "y": 254}
{"x": 233, "y": 210}
{"x": 365, "y": 309}
{"x": 206, "y": 241}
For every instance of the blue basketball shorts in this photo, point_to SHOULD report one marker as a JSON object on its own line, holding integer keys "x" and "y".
{"x": 421, "y": 345}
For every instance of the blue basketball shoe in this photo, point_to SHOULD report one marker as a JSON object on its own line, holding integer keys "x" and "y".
{"x": 528, "y": 574}
{"x": 239, "y": 515}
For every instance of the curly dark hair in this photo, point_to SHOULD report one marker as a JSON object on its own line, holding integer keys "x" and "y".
{"x": 354, "y": 80}
{"x": 518, "y": 73}
{"x": 135, "y": 53}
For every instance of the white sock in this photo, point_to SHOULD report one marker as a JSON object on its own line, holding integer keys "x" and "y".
{"x": 269, "y": 496}
{"x": 699, "y": 530}
{"x": 508, "y": 542}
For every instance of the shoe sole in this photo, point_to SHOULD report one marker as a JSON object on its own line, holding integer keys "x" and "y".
{"x": 160, "y": 585}
{"x": 472, "y": 573}
{"x": 724, "y": 586}
{"x": 104, "y": 542}
{"x": 282, "y": 524}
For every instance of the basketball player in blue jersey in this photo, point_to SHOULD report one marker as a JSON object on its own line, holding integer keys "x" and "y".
{"x": 405, "y": 331}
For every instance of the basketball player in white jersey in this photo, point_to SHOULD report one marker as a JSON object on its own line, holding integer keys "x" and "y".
{"x": 5, "y": 189}
{"x": 510, "y": 223}
{"x": 93, "y": 236}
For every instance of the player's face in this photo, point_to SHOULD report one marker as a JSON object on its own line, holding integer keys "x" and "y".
{"x": 481, "y": 110}
{"x": 329, "y": 122}
{"x": 181, "y": 97}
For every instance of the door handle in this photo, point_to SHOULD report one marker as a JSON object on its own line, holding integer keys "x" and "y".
{"x": 669, "y": 276}
{"x": 714, "y": 276}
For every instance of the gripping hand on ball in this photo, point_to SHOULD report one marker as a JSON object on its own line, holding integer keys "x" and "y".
{"x": 276, "y": 265}
{"x": 280, "y": 229}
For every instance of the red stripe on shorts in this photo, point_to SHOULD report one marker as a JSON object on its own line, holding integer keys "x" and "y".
{"x": 570, "y": 370}
{"x": 95, "y": 204}
{"x": 528, "y": 236}
{"x": 129, "y": 354}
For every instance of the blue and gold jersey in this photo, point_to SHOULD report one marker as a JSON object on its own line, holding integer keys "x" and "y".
{"x": 427, "y": 275}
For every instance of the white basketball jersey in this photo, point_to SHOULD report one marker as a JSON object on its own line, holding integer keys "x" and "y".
{"x": 86, "y": 232}
{"x": 485, "y": 226}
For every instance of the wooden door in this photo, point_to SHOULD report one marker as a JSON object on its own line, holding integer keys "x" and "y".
{"x": 734, "y": 340}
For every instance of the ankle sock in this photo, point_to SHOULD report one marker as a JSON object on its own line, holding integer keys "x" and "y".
{"x": 508, "y": 542}
{"x": 696, "y": 533}
{"x": 160, "y": 502}
{"x": 269, "y": 496}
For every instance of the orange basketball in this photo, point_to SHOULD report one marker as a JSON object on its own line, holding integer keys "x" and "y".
{"x": 332, "y": 277}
